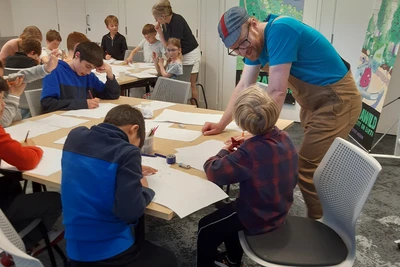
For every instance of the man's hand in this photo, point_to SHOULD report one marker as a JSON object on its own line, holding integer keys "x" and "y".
{"x": 51, "y": 64}
{"x": 28, "y": 142}
{"x": 146, "y": 170}
{"x": 93, "y": 103}
{"x": 17, "y": 87}
{"x": 144, "y": 182}
{"x": 211, "y": 128}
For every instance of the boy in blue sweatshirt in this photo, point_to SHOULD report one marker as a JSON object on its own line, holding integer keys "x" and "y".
{"x": 104, "y": 193}
{"x": 73, "y": 85}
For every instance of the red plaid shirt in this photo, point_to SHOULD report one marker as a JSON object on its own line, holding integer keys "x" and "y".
{"x": 266, "y": 166}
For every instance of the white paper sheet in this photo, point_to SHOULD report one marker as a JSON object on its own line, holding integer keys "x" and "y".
{"x": 141, "y": 75}
{"x": 116, "y": 69}
{"x": 95, "y": 113}
{"x": 61, "y": 121}
{"x": 177, "y": 134}
{"x": 18, "y": 132}
{"x": 192, "y": 118}
{"x": 61, "y": 141}
{"x": 179, "y": 191}
{"x": 118, "y": 62}
{"x": 197, "y": 155}
{"x": 155, "y": 105}
{"x": 109, "y": 61}
{"x": 50, "y": 163}
{"x": 152, "y": 124}
{"x": 151, "y": 71}
{"x": 142, "y": 65}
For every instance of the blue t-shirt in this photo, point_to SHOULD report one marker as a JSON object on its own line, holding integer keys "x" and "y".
{"x": 314, "y": 59}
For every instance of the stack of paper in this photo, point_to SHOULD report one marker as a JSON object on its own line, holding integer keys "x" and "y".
{"x": 18, "y": 132}
{"x": 197, "y": 155}
{"x": 50, "y": 163}
{"x": 95, "y": 113}
{"x": 61, "y": 121}
{"x": 192, "y": 118}
{"x": 181, "y": 192}
{"x": 141, "y": 75}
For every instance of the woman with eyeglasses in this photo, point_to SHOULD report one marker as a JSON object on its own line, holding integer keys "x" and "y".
{"x": 172, "y": 25}
{"x": 296, "y": 56}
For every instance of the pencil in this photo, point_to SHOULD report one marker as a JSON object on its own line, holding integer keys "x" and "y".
{"x": 243, "y": 134}
{"x": 26, "y": 137}
{"x": 90, "y": 94}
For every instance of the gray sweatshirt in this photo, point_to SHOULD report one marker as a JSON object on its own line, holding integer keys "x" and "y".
{"x": 11, "y": 112}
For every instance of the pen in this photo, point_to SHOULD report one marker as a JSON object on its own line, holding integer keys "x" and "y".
{"x": 90, "y": 94}
{"x": 160, "y": 155}
{"x": 243, "y": 134}
{"x": 26, "y": 137}
{"x": 148, "y": 155}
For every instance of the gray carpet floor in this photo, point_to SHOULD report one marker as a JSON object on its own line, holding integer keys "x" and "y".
{"x": 377, "y": 227}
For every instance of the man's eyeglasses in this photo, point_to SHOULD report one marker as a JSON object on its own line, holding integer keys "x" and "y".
{"x": 242, "y": 46}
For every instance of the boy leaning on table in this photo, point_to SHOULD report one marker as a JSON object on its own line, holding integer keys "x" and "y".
{"x": 104, "y": 193}
{"x": 21, "y": 209}
{"x": 73, "y": 85}
{"x": 265, "y": 165}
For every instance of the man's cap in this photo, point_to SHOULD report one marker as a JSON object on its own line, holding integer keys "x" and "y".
{"x": 230, "y": 25}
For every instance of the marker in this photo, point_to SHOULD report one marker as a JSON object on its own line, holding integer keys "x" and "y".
{"x": 149, "y": 155}
{"x": 26, "y": 137}
{"x": 160, "y": 155}
{"x": 183, "y": 165}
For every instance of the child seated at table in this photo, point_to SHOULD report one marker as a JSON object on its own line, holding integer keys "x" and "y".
{"x": 53, "y": 40}
{"x": 27, "y": 57}
{"x": 73, "y": 85}
{"x": 22, "y": 209}
{"x": 104, "y": 193}
{"x": 173, "y": 66}
{"x": 148, "y": 45}
{"x": 265, "y": 165}
{"x": 73, "y": 39}
{"x": 113, "y": 43}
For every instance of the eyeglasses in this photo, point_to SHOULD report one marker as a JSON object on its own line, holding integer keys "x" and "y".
{"x": 242, "y": 46}
{"x": 172, "y": 50}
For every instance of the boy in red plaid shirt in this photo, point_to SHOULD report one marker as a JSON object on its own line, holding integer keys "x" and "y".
{"x": 265, "y": 165}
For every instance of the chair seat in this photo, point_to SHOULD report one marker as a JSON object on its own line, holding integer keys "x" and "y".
{"x": 300, "y": 242}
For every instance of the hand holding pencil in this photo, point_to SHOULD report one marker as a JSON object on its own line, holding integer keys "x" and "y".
{"x": 92, "y": 102}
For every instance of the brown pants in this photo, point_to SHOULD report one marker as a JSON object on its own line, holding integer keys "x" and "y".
{"x": 327, "y": 112}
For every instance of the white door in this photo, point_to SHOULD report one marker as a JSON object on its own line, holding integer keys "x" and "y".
{"x": 96, "y": 12}
{"x": 71, "y": 17}
{"x": 42, "y": 15}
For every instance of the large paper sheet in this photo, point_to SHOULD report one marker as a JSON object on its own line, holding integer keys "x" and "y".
{"x": 197, "y": 155}
{"x": 192, "y": 118}
{"x": 155, "y": 105}
{"x": 61, "y": 121}
{"x": 61, "y": 141}
{"x": 18, "y": 132}
{"x": 181, "y": 192}
{"x": 95, "y": 113}
{"x": 141, "y": 75}
{"x": 177, "y": 134}
{"x": 50, "y": 163}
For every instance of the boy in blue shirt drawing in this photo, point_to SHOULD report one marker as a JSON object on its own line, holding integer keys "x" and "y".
{"x": 104, "y": 193}
{"x": 73, "y": 85}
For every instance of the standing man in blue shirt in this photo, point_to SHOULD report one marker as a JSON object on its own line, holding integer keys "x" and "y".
{"x": 296, "y": 56}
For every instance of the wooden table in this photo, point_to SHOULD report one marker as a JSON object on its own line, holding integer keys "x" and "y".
{"x": 162, "y": 146}
{"x": 129, "y": 82}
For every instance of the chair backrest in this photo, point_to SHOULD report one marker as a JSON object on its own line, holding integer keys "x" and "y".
{"x": 171, "y": 90}
{"x": 10, "y": 233}
{"x": 21, "y": 259}
{"x": 33, "y": 99}
{"x": 343, "y": 181}
{"x": 30, "y": 86}
{"x": 138, "y": 57}
{"x": 187, "y": 71}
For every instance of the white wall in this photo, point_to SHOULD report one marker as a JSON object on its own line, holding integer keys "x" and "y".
{"x": 6, "y": 20}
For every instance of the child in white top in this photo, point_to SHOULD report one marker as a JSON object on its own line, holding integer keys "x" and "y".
{"x": 174, "y": 66}
{"x": 53, "y": 40}
{"x": 149, "y": 45}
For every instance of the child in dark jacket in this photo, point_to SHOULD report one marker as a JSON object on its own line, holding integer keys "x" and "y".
{"x": 113, "y": 43}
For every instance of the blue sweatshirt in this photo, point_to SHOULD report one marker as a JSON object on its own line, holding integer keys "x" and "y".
{"x": 101, "y": 192}
{"x": 64, "y": 89}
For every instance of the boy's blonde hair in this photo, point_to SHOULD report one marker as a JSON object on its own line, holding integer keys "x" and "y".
{"x": 32, "y": 32}
{"x": 52, "y": 35}
{"x": 255, "y": 111}
{"x": 148, "y": 28}
{"x": 111, "y": 19}
{"x": 162, "y": 8}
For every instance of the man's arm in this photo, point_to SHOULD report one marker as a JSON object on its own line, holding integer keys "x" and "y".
{"x": 278, "y": 82}
{"x": 38, "y": 72}
{"x": 11, "y": 112}
{"x": 131, "y": 198}
{"x": 249, "y": 77}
